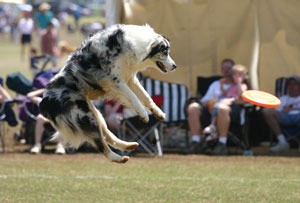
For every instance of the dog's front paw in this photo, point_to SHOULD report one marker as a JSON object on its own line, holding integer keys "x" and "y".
{"x": 145, "y": 119}
{"x": 161, "y": 117}
{"x": 158, "y": 114}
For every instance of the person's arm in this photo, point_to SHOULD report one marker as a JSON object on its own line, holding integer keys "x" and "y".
{"x": 212, "y": 93}
{"x": 35, "y": 96}
{"x": 3, "y": 94}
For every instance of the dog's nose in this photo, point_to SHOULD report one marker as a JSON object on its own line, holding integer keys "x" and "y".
{"x": 174, "y": 66}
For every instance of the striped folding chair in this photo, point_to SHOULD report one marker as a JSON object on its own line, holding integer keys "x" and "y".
{"x": 174, "y": 96}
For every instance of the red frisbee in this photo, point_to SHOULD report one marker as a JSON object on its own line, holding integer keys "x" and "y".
{"x": 261, "y": 98}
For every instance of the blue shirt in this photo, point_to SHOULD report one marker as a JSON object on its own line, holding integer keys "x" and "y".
{"x": 43, "y": 19}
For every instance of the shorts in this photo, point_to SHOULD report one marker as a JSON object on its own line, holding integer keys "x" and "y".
{"x": 287, "y": 119}
{"x": 235, "y": 114}
{"x": 25, "y": 38}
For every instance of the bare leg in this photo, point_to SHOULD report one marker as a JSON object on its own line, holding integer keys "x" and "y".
{"x": 223, "y": 119}
{"x": 194, "y": 113}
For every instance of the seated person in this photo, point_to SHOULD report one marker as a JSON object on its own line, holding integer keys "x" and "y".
{"x": 198, "y": 110}
{"x": 8, "y": 113}
{"x": 233, "y": 94}
{"x": 287, "y": 114}
{"x": 40, "y": 126}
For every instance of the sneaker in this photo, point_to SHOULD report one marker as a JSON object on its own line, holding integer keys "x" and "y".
{"x": 60, "y": 149}
{"x": 220, "y": 149}
{"x": 195, "y": 148}
{"x": 280, "y": 147}
{"x": 36, "y": 149}
{"x": 210, "y": 132}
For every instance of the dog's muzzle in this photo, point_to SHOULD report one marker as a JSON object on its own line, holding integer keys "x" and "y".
{"x": 167, "y": 65}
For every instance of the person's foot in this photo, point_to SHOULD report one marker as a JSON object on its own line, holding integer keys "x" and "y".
{"x": 60, "y": 149}
{"x": 195, "y": 148}
{"x": 36, "y": 149}
{"x": 220, "y": 149}
{"x": 280, "y": 147}
{"x": 210, "y": 132}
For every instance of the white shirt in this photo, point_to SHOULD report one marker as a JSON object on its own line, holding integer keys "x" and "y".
{"x": 214, "y": 92}
{"x": 25, "y": 25}
{"x": 287, "y": 100}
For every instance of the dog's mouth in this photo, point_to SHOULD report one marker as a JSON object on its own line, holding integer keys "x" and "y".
{"x": 161, "y": 66}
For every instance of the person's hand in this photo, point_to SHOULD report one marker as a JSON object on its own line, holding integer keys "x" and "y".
{"x": 287, "y": 108}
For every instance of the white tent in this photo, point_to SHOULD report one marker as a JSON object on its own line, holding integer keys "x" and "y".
{"x": 261, "y": 34}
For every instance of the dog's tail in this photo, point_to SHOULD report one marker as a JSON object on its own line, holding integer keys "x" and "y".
{"x": 101, "y": 141}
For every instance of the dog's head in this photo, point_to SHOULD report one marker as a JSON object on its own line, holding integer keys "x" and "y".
{"x": 159, "y": 54}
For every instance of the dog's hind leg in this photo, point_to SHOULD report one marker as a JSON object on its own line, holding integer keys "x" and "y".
{"x": 100, "y": 141}
{"x": 112, "y": 139}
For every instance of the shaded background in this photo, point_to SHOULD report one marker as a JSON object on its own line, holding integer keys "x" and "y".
{"x": 261, "y": 34}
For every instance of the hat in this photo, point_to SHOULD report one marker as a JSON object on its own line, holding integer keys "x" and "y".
{"x": 44, "y": 6}
{"x": 295, "y": 78}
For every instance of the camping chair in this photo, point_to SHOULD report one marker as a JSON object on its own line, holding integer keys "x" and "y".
{"x": 167, "y": 133}
{"x": 6, "y": 114}
{"x": 238, "y": 134}
{"x": 133, "y": 129}
{"x": 173, "y": 130}
{"x": 292, "y": 133}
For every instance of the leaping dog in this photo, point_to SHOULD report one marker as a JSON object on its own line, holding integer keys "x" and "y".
{"x": 105, "y": 65}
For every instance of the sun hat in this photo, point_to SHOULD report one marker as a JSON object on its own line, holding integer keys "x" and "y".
{"x": 44, "y": 6}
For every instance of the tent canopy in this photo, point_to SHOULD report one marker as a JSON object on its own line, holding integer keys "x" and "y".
{"x": 263, "y": 35}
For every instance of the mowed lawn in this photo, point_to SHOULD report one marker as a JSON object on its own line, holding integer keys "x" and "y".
{"x": 172, "y": 178}
{"x": 89, "y": 177}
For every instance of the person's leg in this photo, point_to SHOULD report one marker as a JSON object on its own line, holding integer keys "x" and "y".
{"x": 272, "y": 118}
{"x": 223, "y": 123}
{"x": 38, "y": 133}
{"x": 194, "y": 113}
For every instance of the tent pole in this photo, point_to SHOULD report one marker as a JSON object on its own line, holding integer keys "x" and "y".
{"x": 255, "y": 52}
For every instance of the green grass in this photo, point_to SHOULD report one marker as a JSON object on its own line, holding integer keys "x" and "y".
{"x": 173, "y": 178}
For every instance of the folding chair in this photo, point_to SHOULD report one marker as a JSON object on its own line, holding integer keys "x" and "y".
{"x": 5, "y": 117}
{"x": 146, "y": 134}
{"x": 171, "y": 97}
{"x": 174, "y": 98}
{"x": 2, "y": 129}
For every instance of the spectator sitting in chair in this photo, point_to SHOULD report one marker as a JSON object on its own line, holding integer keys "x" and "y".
{"x": 231, "y": 96}
{"x": 287, "y": 114}
{"x": 198, "y": 110}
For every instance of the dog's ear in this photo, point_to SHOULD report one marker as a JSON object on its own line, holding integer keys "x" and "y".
{"x": 154, "y": 49}
{"x": 115, "y": 39}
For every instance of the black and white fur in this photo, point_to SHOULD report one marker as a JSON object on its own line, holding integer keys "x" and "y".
{"x": 105, "y": 65}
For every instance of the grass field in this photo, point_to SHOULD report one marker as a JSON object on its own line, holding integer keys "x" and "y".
{"x": 173, "y": 178}
{"x": 89, "y": 177}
